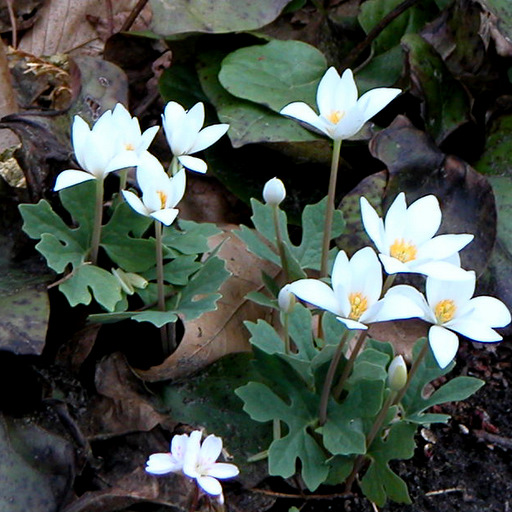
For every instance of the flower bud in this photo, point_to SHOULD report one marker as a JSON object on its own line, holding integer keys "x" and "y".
{"x": 274, "y": 192}
{"x": 286, "y": 299}
{"x": 129, "y": 281}
{"x": 397, "y": 374}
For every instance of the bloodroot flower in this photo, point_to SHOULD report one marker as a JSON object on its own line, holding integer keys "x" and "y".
{"x": 160, "y": 194}
{"x": 184, "y": 134}
{"x": 406, "y": 242}
{"x": 342, "y": 114}
{"x": 355, "y": 293}
{"x": 450, "y": 307}
{"x": 196, "y": 461}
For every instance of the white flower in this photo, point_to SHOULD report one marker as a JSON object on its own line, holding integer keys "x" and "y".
{"x": 160, "y": 193}
{"x": 97, "y": 151}
{"x": 406, "y": 241}
{"x": 163, "y": 463}
{"x": 342, "y": 115}
{"x": 185, "y": 136}
{"x": 355, "y": 293}
{"x": 274, "y": 191}
{"x": 130, "y": 137}
{"x": 450, "y": 307}
{"x": 200, "y": 463}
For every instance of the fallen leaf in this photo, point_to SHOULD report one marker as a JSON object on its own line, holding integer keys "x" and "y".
{"x": 122, "y": 404}
{"x": 219, "y": 332}
{"x": 8, "y": 104}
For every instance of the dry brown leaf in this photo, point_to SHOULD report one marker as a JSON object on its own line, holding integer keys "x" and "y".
{"x": 220, "y": 332}
{"x": 122, "y": 405}
{"x": 8, "y": 104}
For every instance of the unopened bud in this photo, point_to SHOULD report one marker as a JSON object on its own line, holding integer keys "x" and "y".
{"x": 286, "y": 299}
{"x": 397, "y": 374}
{"x": 129, "y": 281}
{"x": 274, "y": 192}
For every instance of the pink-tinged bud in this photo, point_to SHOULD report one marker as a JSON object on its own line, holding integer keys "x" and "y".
{"x": 274, "y": 192}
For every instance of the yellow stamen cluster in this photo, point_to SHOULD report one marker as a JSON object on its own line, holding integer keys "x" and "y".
{"x": 163, "y": 198}
{"x": 358, "y": 305}
{"x": 336, "y": 116}
{"x": 129, "y": 147}
{"x": 403, "y": 250}
{"x": 445, "y": 310}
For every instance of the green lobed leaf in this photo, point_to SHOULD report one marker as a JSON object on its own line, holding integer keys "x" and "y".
{"x": 274, "y": 74}
{"x": 87, "y": 280}
{"x": 191, "y": 237}
{"x": 380, "y": 482}
{"x": 299, "y": 411}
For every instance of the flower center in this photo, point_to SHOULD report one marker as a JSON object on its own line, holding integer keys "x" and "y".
{"x": 358, "y": 305}
{"x": 403, "y": 251}
{"x": 163, "y": 199}
{"x": 445, "y": 310}
{"x": 336, "y": 116}
{"x": 129, "y": 146}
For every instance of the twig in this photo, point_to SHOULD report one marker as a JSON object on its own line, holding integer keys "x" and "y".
{"x": 128, "y": 22}
{"x": 445, "y": 491}
{"x": 12, "y": 19}
{"x": 375, "y": 32}
{"x": 303, "y": 496}
{"x": 504, "y": 442}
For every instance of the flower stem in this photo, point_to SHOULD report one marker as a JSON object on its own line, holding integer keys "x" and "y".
{"x": 329, "y": 212}
{"x": 168, "y": 344}
{"x": 350, "y": 364}
{"x": 388, "y": 283}
{"x": 174, "y": 167}
{"x": 412, "y": 372}
{"x": 123, "y": 179}
{"x": 370, "y": 438}
{"x": 286, "y": 334}
{"x": 98, "y": 218}
{"x": 324, "y": 399}
{"x": 280, "y": 244}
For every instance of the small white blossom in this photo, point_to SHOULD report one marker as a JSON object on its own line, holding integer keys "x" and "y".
{"x": 450, "y": 307}
{"x": 160, "y": 193}
{"x": 342, "y": 114}
{"x": 355, "y": 293}
{"x": 184, "y": 134}
{"x": 406, "y": 242}
{"x": 397, "y": 373}
{"x": 286, "y": 299}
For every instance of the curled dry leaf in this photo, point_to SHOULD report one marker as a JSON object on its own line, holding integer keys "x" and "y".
{"x": 220, "y": 332}
{"x": 122, "y": 404}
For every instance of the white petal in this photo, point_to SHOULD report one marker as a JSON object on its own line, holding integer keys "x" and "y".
{"x": 161, "y": 464}
{"x": 340, "y": 276}
{"x": 172, "y": 120}
{"x": 395, "y": 220}
{"x": 147, "y": 137}
{"x": 317, "y": 293}
{"x": 176, "y": 188}
{"x": 408, "y": 294}
{"x": 210, "y": 485}
{"x": 366, "y": 274}
{"x": 179, "y": 446}
{"x": 185, "y": 136}
{"x": 349, "y": 125}
{"x": 345, "y": 94}
{"x": 208, "y": 136}
{"x": 394, "y": 307}
{"x": 193, "y": 163}
{"x": 325, "y": 92}
{"x": 166, "y": 216}
{"x": 373, "y": 225}
{"x": 492, "y": 310}
{"x": 190, "y": 462}
{"x": 135, "y": 203}
{"x": 439, "y": 270}
{"x": 375, "y": 100}
{"x": 150, "y": 172}
{"x": 423, "y": 219}
{"x": 223, "y": 470}
{"x": 122, "y": 160}
{"x": 444, "y": 345}
{"x": 393, "y": 266}
{"x": 474, "y": 329}
{"x": 71, "y": 177}
{"x": 210, "y": 451}
{"x": 80, "y": 136}
{"x": 306, "y": 114}
{"x": 352, "y": 324}
{"x": 443, "y": 246}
